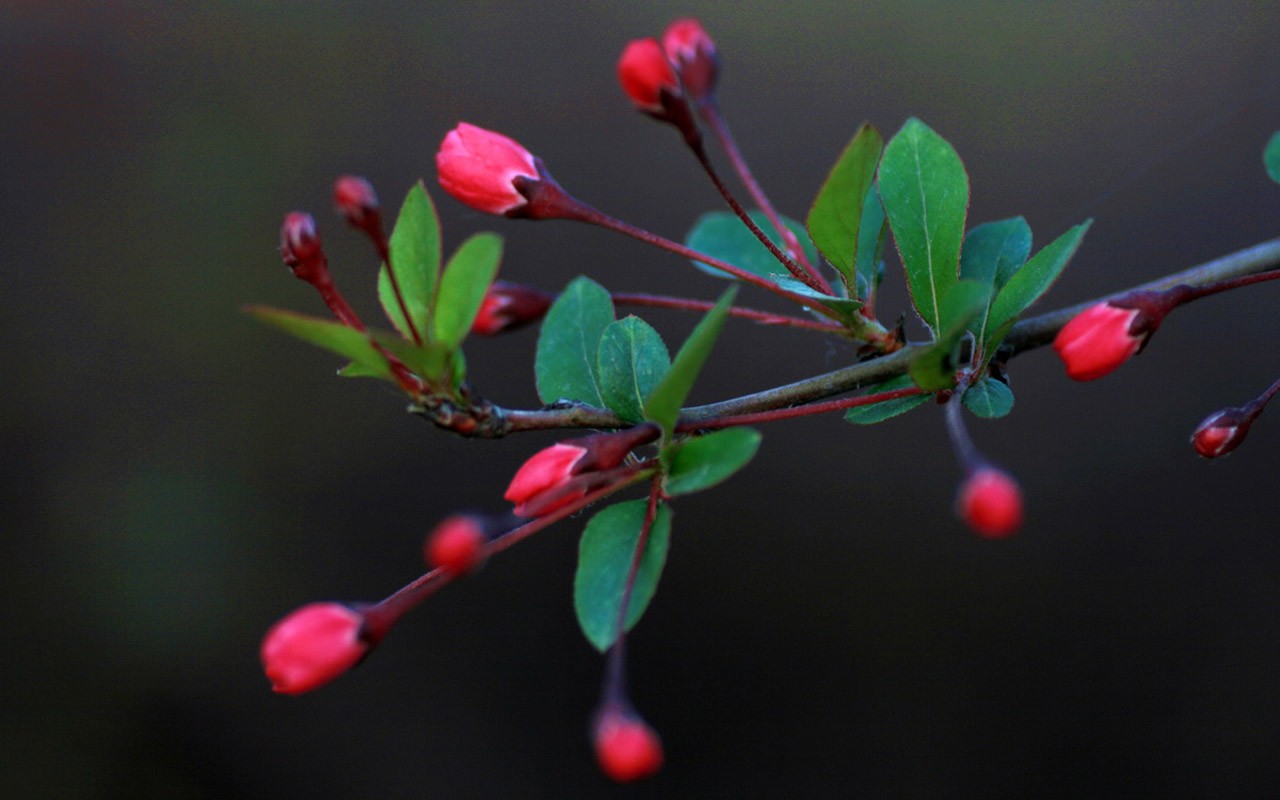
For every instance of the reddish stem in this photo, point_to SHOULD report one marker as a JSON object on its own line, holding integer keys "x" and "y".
{"x": 615, "y": 675}
{"x": 712, "y": 115}
{"x": 378, "y": 234}
{"x": 763, "y": 317}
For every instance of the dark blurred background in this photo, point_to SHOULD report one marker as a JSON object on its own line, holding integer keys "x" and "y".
{"x": 178, "y": 476}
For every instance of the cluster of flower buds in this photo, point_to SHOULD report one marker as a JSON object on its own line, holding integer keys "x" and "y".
{"x": 662, "y": 79}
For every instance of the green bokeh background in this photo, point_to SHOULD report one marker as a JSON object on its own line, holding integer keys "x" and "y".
{"x": 178, "y": 476}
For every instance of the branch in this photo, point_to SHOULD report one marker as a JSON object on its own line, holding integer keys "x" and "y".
{"x": 1028, "y": 334}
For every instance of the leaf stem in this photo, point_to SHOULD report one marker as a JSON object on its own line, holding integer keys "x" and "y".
{"x": 763, "y": 317}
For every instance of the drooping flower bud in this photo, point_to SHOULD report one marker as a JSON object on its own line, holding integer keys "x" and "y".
{"x": 457, "y": 544}
{"x": 356, "y": 201}
{"x": 627, "y": 749}
{"x": 1221, "y": 432}
{"x": 990, "y": 503}
{"x": 508, "y": 306}
{"x": 694, "y": 53}
{"x": 550, "y": 479}
{"x": 479, "y": 167}
{"x": 312, "y": 646}
{"x": 645, "y": 73}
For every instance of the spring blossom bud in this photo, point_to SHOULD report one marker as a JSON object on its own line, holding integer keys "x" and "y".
{"x": 457, "y": 544}
{"x": 626, "y": 748}
{"x": 479, "y": 167}
{"x": 312, "y": 646}
{"x": 990, "y": 503}
{"x": 1098, "y": 340}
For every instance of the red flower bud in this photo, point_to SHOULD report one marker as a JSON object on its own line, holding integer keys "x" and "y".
{"x": 478, "y": 168}
{"x": 508, "y": 306}
{"x": 355, "y": 200}
{"x": 1098, "y": 340}
{"x": 300, "y": 247}
{"x": 1221, "y": 432}
{"x": 626, "y": 748}
{"x": 457, "y": 544}
{"x": 312, "y": 646}
{"x": 547, "y": 482}
{"x": 645, "y": 72}
{"x": 694, "y": 54}
{"x": 546, "y": 471}
{"x": 990, "y": 503}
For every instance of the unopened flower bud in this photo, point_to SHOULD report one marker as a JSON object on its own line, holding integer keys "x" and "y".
{"x": 480, "y": 167}
{"x": 457, "y": 544}
{"x": 300, "y": 247}
{"x": 694, "y": 53}
{"x": 990, "y": 503}
{"x": 627, "y": 749}
{"x": 508, "y": 306}
{"x": 355, "y": 200}
{"x": 312, "y": 646}
{"x": 1097, "y": 341}
{"x": 645, "y": 73}
{"x": 1221, "y": 432}
{"x": 549, "y": 479}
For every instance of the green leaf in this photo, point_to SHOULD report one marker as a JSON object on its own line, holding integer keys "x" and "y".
{"x": 724, "y": 236}
{"x": 415, "y": 257}
{"x": 697, "y": 464}
{"x": 846, "y": 308}
{"x": 835, "y": 219}
{"x": 1271, "y": 157}
{"x": 926, "y": 195}
{"x": 565, "y": 365}
{"x": 432, "y": 361}
{"x": 332, "y": 336}
{"x": 1034, "y": 279}
{"x": 992, "y": 253}
{"x": 632, "y": 360}
{"x": 988, "y": 398}
{"x": 879, "y": 412}
{"x": 934, "y": 369}
{"x": 466, "y": 278}
{"x": 871, "y": 245}
{"x": 605, "y": 554}
{"x": 663, "y": 404}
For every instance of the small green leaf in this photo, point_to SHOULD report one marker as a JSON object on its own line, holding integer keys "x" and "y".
{"x": 992, "y": 253}
{"x": 697, "y": 464}
{"x": 332, "y": 336}
{"x": 926, "y": 195}
{"x": 871, "y": 245}
{"x": 663, "y": 404}
{"x": 836, "y": 216}
{"x": 846, "y": 308}
{"x": 888, "y": 409}
{"x": 632, "y": 360}
{"x": 934, "y": 369}
{"x": 415, "y": 256}
{"x": 466, "y": 278}
{"x": 1271, "y": 157}
{"x": 988, "y": 398}
{"x": 722, "y": 235}
{"x": 432, "y": 361}
{"x": 565, "y": 365}
{"x": 605, "y": 553}
{"x": 1034, "y": 279}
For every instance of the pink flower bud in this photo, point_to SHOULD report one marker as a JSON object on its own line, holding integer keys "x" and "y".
{"x": 694, "y": 54}
{"x": 645, "y": 72}
{"x": 545, "y": 472}
{"x": 355, "y": 200}
{"x": 557, "y": 476}
{"x": 300, "y": 247}
{"x": 508, "y": 306}
{"x": 457, "y": 544}
{"x": 312, "y": 646}
{"x": 479, "y": 167}
{"x": 1098, "y": 340}
{"x": 627, "y": 749}
{"x": 1221, "y": 432}
{"x": 990, "y": 503}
